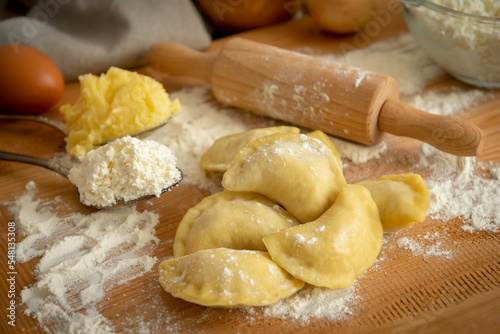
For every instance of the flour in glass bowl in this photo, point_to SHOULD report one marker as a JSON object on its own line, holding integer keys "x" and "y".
{"x": 469, "y": 45}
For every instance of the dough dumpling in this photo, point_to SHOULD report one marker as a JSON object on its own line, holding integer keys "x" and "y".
{"x": 402, "y": 199}
{"x": 335, "y": 249}
{"x": 237, "y": 220}
{"x": 219, "y": 156}
{"x": 224, "y": 277}
{"x": 297, "y": 171}
{"x": 323, "y": 137}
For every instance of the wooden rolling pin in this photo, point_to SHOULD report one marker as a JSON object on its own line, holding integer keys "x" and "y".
{"x": 339, "y": 100}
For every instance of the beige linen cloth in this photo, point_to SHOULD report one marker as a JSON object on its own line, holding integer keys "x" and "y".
{"x": 89, "y": 36}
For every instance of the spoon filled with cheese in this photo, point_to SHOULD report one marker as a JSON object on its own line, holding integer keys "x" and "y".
{"x": 122, "y": 172}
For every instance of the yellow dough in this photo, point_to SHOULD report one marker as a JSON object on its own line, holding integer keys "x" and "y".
{"x": 224, "y": 277}
{"x": 237, "y": 220}
{"x": 297, "y": 171}
{"x": 323, "y": 137}
{"x": 219, "y": 156}
{"x": 402, "y": 199}
{"x": 335, "y": 249}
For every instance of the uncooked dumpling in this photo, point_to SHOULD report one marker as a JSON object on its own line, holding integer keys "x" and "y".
{"x": 237, "y": 220}
{"x": 297, "y": 171}
{"x": 335, "y": 249}
{"x": 219, "y": 156}
{"x": 224, "y": 277}
{"x": 323, "y": 137}
{"x": 402, "y": 199}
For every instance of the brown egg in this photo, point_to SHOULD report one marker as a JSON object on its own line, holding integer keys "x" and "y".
{"x": 30, "y": 83}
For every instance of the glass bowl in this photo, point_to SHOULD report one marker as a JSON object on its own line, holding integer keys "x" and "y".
{"x": 466, "y": 46}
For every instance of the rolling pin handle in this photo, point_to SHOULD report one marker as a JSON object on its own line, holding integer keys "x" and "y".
{"x": 451, "y": 134}
{"x": 178, "y": 59}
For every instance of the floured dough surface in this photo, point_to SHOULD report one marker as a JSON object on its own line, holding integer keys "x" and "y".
{"x": 297, "y": 171}
{"x": 335, "y": 249}
{"x": 219, "y": 156}
{"x": 236, "y": 220}
{"x": 402, "y": 199}
{"x": 227, "y": 278}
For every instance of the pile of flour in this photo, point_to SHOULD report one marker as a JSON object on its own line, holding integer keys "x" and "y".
{"x": 457, "y": 190}
{"x": 81, "y": 257}
{"x": 124, "y": 170}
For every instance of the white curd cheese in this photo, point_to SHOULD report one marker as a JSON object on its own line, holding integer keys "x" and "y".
{"x": 124, "y": 169}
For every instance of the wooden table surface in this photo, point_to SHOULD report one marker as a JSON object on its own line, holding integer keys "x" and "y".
{"x": 404, "y": 293}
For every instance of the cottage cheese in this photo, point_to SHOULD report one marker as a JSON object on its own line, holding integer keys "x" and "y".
{"x": 124, "y": 169}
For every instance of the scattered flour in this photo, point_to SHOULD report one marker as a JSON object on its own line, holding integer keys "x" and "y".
{"x": 405, "y": 58}
{"x": 457, "y": 190}
{"x": 358, "y": 153}
{"x": 191, "y": 132}
{"x": 495, "y": 173}
{"x": 448, "y": 103}
{"x": 315, "y": 302}
{"x": 423, "y": 249}
{"x": 91, "y": 254}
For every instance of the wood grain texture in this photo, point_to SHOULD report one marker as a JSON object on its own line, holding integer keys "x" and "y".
{"x": 403, "y": 293}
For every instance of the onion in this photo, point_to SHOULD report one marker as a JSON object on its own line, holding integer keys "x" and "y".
{"x": 340, "y": 16}
{"x": 232, "y": 16}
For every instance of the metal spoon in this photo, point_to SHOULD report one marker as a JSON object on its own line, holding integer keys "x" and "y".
{"x": 61, "y": 126}
{"x": 64, "y": 171}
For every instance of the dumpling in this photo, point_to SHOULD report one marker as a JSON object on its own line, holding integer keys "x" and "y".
{"x": 297, "y": 171}
{"x": 219, "y": 156}
{"x": 237, "y": 220}
{"x": 224, "y": 277}
{"x": 402, "y": 199}
{"x": 323, "y": 137}
{"x": 335, "y": 249}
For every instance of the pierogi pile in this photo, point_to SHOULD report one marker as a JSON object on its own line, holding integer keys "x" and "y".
{"x": 286, "y": 217}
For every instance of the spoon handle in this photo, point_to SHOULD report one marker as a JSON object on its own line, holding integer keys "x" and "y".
{"x": 7, "y": 156}
{"x": 61, "y": 126}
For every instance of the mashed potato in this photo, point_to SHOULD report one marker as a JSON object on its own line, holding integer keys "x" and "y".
{"x": 113, "y": 105}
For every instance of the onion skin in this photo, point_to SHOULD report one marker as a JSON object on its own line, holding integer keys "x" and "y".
{"x": 233, "y": 16}
{"x": 340, "y": 16}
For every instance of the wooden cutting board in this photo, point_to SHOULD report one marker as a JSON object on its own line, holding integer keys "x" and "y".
{"x": 404, "y": 293}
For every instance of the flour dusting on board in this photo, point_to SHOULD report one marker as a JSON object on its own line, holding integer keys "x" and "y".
{"x": 200, "y": 122}
{"x": 82, "y": 256}
{"x": 458, "y": 190}
{"x": 315, "y": 302}
{"x": 409, "y": 65}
